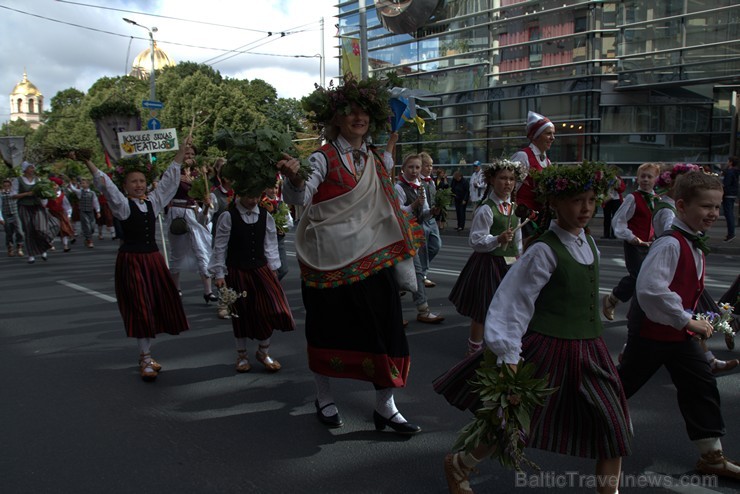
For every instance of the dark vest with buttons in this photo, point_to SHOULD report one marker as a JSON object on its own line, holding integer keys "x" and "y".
{"x": 568, "y": 305}
{"x": 27, "y": 200}
{"x": 246, "y": 249}
{"x": 411, "y": 195}
{"x": 138, "y": 230}
{"x": 86, "y": 201}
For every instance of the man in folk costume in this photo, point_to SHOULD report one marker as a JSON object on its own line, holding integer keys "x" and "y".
{"x": 89, "y": 209}
{"x": 349, "y": 236}
{"x": 541, "y": 135}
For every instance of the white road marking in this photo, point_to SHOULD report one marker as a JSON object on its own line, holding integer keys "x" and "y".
{"x": 88, "y": 291}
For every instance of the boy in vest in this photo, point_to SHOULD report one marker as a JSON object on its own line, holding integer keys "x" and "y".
{"x": 633, "y": 223}
{"x": 412, "y": 197}
{"x": 431, "y": 229}
{"x": 663, "y": 332}
{"x": 89, "y": 209}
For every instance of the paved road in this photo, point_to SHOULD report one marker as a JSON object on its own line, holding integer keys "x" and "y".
{"x": 75, "y": 417}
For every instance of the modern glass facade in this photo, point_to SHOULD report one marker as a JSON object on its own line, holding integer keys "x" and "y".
{"x": 624, "y": 81}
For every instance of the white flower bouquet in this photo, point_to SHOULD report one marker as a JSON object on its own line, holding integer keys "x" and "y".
{"x": 228, "y": 297}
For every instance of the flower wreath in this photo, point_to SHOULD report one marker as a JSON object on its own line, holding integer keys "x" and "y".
{"x": 569, "y": 180}
{"x": 490, "y": 169}
{"x": 133, "y": 164}
{"x": 666, "y": 178}
{"x": 372, "y": 95}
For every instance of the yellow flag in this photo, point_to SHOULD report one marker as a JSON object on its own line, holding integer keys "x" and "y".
{"x": 351, "y": 56}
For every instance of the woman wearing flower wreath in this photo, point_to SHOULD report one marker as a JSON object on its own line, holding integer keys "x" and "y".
{"x": 496, "y": 243}
{"x": 350, "y": 235}
{"x": 147, "y": 296}
{"x": 39, "y": 227}
{"x": 551, "y": 320}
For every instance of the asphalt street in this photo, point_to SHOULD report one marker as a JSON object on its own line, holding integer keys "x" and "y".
{"x": 76, "y": 418}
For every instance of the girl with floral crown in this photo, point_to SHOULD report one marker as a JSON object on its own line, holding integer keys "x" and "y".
{"x": 60, "y": 208}
{"x": 147, "y": 295}
{"x": 349, "y": 237}
{"x": 496, "y": 243}
{"x": 546, "y": 312}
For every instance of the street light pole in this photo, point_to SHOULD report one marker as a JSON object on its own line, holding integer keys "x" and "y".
{"x": 152, "y": 91}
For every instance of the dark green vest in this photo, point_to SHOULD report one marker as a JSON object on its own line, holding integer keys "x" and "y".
{"x": 663, "y": 205}
{"x": 568, "y": 305}
{"x": 500, "y": 222}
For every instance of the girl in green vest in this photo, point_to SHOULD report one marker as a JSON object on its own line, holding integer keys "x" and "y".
{"x": 496, "y": 243}
{"x": 551, "y": 319}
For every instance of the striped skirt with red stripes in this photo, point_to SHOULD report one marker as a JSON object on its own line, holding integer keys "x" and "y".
{"x": 147, "y": 296}
{"x": 476, "y": 285}
{"x": 587, "y": 416}
{"x": 65, "y": 227}
{"x": 39, "y": 228}
{"x": 264, "y": 309}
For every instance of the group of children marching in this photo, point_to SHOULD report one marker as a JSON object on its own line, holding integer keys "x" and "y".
{"x": 545, "y": 309}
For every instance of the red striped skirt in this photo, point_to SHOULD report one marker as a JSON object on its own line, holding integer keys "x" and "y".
{"x": 476, "y": 285}
{"x": 65, "y": 227}
{"x": 587, "y": 416}
{"x": 264, "y": 309}
{"x": 147, "y": 296}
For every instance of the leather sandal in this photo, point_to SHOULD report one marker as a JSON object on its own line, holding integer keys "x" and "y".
{"x": 147, "y": 371}
{"x": 152, "y": 363}
{"x": 457, "y": 477}
{"x": 242, "y": 363}
{"x": 271, "y": 365}
{"x": 608, "y": 307}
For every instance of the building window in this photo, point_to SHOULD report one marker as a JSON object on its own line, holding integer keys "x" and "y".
{"x": 30, "y": 105}
{"x": 19, "y": 102}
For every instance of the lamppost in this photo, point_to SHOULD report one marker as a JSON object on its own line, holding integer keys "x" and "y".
{"x": 152, "y": 92}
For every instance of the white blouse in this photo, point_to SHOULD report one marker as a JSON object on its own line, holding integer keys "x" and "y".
{"x": 217, "y": 265}
{"x": 159, "y": 197}
{"x": 512, "y": 306}
{"x": 663, "y": 219}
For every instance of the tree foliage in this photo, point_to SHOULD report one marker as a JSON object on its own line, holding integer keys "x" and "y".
{"x": 187, "y": 90}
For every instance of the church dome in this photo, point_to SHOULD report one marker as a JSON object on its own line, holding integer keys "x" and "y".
{"x": 25, "y": 88}
{"x": 143, "y": 62}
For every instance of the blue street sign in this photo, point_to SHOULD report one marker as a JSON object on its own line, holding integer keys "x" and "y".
{"x": 154, "y": 124}
{"x": 152, "y": 104}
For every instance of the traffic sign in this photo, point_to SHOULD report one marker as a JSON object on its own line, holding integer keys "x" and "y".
{"x": 154, "y": 124}
{"x": 152, "y": 104}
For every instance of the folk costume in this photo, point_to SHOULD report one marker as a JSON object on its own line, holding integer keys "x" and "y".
{"x": 669, "y": 285}
{"x": 147, "y": 296}
{"x": 190, "y": 247}
{"x": 11, "y": 223}
{"x": 272, "y": 205}
{"x": 533, "y": 159}
{"x": 482, "y": 274}
{"x": 61, "y": 209}
{"x": 89, "y": 208}
{"x": 551, "y": 319}
{"x": 246, "y": 256}
{"x": 432, "y": 238}
{"x": 105, "y": 219}
{"x": 633, "y": 220}
{"x": 408, "y": 192}
{"x": 39, "y": 227}
{"x": 350, "y": 234}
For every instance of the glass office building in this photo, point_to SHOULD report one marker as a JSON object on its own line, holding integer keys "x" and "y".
{"x": 624, "y": 81}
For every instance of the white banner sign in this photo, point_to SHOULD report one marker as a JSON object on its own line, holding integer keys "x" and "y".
{"x": 147, "y": 141}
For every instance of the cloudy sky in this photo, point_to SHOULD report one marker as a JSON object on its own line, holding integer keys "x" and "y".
{"x": 65, "y": 43}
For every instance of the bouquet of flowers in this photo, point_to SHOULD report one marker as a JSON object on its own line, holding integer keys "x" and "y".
{"x": 228, "y": 297}
{"x": 720, "y": 320}
{"x": 509, "y": 397}
{"x": 43, "y": 189}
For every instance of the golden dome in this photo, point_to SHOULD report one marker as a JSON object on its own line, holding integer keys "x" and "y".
{"x": 143, "y": 62}
{"x": 26, "y": 88}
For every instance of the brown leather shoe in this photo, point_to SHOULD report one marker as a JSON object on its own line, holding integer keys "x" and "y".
{"x": 429, "y": 283}
{"x": 429, "y": 317}
{"x": 271, "y": 365}
{"x": 716, "y": 463}
{"x": 11, "y": 252}
{"x": 146, "y": 369}
{"x": 20, "y": 252}
{"x": 730, "y": 341}
{"x": 723, "y": 366}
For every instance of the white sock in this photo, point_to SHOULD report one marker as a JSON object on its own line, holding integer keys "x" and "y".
{"x": 467, "y": 459}
{"x": 241, "y": 344}
{"x": 31, "y": 258}
{"x": 264, "y": 346}
{"x": 323, "y": 394}
{"x": 385, "y": 405}
{"x": 708, "y": 445}
{"x": 423, "y": 308}
{"x": 43, "y": 255}
{"x": 65, "y": 242}
{"x": 145, "y": 345}
{"x": 474, "y": 346}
